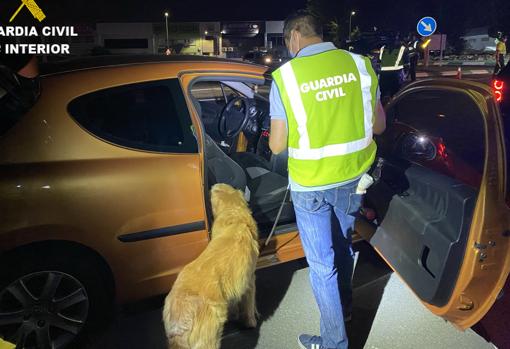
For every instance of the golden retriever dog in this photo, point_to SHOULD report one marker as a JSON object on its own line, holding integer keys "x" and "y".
{"x": 222, "y": 278}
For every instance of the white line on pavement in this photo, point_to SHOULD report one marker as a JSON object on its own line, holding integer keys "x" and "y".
{"x": 449, "y": 73}
{"x": 480, "y": 72}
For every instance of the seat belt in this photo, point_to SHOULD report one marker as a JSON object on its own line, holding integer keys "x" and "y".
{"x": 278, "y": 216}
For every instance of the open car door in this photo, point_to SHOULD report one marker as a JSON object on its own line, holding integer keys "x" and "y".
{"x": 442, "y": 221}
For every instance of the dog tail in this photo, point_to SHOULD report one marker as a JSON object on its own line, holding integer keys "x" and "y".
{"x": 179, "y": 314}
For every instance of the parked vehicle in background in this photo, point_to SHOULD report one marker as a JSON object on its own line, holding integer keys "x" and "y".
{"x": 270, "y": 59}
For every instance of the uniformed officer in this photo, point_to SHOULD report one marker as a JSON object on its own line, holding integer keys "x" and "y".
{"x": 500, "y": 54}
{"x": 414, "y": 55}
{"x": 325, "y": 109}
{"x": 393, "y": 57}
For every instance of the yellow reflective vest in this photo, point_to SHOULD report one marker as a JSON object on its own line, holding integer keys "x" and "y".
{"x": 330, "y": 102}
{"x": 391, "y": 60}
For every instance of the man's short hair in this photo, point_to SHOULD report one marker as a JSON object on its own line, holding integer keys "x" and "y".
{"x": 304, "y": 22}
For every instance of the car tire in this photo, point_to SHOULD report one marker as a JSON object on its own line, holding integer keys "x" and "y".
{"x": 76, "y": 274}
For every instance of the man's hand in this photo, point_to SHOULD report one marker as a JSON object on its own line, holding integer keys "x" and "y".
{"x": 278, "y": 136}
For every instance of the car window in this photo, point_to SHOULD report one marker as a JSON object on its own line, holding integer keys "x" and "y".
{"x": 213, "y": 91}
{"x": 147, "y": 116}
{"x": 261, "y": 90}
{"x": 453, "y": 120}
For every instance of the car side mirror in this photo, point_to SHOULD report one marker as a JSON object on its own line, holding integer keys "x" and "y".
{"x": 417, "y": 147}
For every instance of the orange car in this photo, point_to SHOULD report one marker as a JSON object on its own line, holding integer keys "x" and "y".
{"x": 104, "y": 189}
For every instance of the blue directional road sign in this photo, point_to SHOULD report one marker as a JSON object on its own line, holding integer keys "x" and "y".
{"x": 426, "y": 26}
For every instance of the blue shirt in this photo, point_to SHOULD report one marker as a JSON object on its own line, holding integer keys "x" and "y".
{"x": 277, "y": 112}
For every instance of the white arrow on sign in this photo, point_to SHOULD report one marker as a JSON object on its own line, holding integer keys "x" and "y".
{"x": 428, "y": 27}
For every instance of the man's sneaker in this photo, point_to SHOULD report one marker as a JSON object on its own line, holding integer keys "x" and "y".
{"x": 310, "y": 342}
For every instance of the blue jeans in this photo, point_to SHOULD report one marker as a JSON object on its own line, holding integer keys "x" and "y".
{"x": 326, "y": 220}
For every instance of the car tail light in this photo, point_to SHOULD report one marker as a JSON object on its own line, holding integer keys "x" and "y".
{"x": 498, "y": 87}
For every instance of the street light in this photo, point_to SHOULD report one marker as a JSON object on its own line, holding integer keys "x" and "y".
{"x": 166, "y": 21}
{"x": 350, "y": 23}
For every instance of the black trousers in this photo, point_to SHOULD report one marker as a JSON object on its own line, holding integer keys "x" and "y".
{"x": 390, "y": 82}
{"x": 501, "y": 61}
{"x": 412, "y": 67}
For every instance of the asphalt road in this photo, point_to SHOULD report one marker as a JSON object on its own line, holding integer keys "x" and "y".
{"x": 386, "y": 315}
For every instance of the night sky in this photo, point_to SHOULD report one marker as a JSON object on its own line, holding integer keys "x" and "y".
{"x": 152, "y": 10}
{"x": 385, "y": 14}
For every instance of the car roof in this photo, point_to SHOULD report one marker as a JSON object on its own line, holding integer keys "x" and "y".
{"x": 92, "y": 62}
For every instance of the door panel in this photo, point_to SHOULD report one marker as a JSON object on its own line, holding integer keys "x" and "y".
{"x": 432, "y": 214}
{"x": 441, "y": 218}
{"x": 154, "y": 183}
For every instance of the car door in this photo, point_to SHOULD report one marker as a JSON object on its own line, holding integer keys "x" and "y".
{"x": 442, "y": 221}
{"x": 151, "y": 186}
{"x": 285, "y": 244}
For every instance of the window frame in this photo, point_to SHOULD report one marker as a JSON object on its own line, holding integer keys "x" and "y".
{"x": 189, "y": 141}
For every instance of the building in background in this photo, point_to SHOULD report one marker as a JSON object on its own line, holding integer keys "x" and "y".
{"x": 479, "y": 40}
{"x": 126, "y": 38}
{"x": 273, "y": 36}
{"x": 239, "y": 38}
{"x": 225, "y": 39}
{"x": 189, "y": 38}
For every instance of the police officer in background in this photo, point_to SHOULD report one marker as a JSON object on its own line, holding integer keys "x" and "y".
{"x": 414, "y": 55}
{"x": 324, "y": 110}
{"x": 500, "y": 54}
{"x": 392, "y": 57}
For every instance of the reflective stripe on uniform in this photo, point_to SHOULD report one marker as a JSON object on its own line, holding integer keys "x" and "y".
{"x": 331, "y": 150}
{"x": 366, "y": 85}
{"x": 296, "y": 103}
{"x": 400, "y": 55}
{"x": 397, "y": 65}
{"x": 392, "y": 68}
{"x": 315, "y": 346}
{"x": 381, "y": 51}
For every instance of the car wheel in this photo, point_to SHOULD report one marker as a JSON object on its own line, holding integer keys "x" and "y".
{"x": 53, "y": 304}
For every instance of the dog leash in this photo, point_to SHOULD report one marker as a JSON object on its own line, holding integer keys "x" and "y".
{"x": 278, "y": 216}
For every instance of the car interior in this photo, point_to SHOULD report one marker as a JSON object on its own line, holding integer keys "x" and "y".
{"x": 236, "y": 120}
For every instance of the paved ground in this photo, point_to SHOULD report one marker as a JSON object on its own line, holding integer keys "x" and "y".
{"x": 386, "y": 315}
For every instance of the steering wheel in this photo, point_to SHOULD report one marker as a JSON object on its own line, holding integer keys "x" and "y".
{"x": 233, "y": 117}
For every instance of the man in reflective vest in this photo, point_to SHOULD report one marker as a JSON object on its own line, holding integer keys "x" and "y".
{"x": 414, "y": 55}
{"x": 392, "y": 58}
{"x": 324, "y": 110}
{"x": 500, "y": 54}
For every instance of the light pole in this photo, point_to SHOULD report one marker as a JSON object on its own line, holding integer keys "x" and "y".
{"x": 350, "y": 23}
{"x": 166, "y": 21}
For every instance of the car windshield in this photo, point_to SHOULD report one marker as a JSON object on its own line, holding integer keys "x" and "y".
{"x": 262, "y": 90}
